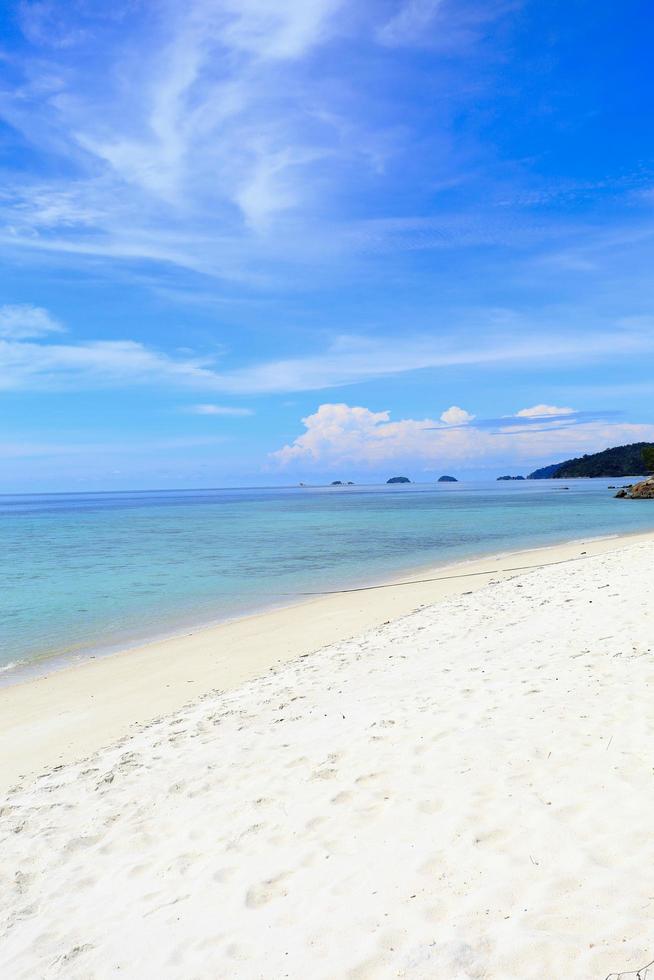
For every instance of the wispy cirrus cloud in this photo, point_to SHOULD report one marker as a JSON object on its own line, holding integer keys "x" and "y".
{"x": 102, "y": 363}
{"x": 216, "y": 136}
{"x": 28, "y": 362}
{"x": 198, "y": 130}
{"x": 210, "y": 409}
{"x": 445, "y": 24}
{"x": 23, "y": 320}
{"x": 351, "y": 359}
{"x": 207, "y": 135}
{"x": 409, "y": 23}
{"x": 537, "y": 418}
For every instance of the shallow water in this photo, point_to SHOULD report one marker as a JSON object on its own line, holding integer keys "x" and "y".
{"x": 82, "y": 573}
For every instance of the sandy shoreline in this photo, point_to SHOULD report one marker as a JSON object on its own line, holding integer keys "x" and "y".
{"x": 461, "y": 791}
{"x": 62, "y": 716}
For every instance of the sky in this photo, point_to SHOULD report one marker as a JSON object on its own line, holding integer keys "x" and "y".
{"x": 257, "y": 242}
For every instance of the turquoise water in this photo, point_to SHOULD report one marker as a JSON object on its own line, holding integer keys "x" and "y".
{"x": 83, "y": 573}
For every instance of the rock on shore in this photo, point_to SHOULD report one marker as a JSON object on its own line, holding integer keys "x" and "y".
{"x": 638, "y": 491}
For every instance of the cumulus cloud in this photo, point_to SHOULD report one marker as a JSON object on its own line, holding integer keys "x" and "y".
{"x": 456, "y": 416}
{"x": 208, "y": 409}
{"x": 344, "y": 433}
{"x": 338, "y": 434}
{"x": 22, "y": 320}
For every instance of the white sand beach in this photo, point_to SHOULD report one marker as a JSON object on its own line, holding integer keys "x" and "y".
{"x": 453, "y": 779}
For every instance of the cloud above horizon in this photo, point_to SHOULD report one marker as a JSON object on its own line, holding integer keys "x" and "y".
{"x": 343, "y": 435}
{"x": 222, "y": 206}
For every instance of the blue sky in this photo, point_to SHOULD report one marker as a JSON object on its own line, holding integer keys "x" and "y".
{"x": 264, "y": 241}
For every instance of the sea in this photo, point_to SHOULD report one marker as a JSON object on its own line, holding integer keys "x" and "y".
{"x": 84, "y": 574}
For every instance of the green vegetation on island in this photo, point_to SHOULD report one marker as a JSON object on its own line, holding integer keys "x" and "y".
{"x": 399, "y": 479}
{"x": 631, "y": 460}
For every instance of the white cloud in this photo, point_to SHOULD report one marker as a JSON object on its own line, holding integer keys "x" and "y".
{"x": 408, "y": 25}
{"x": 338, "y": 434}
{"x": 204, "y": 134}
{"x": 269, "y": 29}
{"x": 456, "y": 416}
{"x": 542, "y": 412}
{"x": 208, "y": 409}
{"x": 351, "y": 359}
{"x": 27, "y": 365}
{"x": 45, "y": 22}
{"x": 444, "y": 24}
{"x": 200, "y": 127}
{"x": 22, "y": 320}
{"x": 348, "y": 360}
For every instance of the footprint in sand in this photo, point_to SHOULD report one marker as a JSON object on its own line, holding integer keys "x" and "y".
{"x": 324, "y": 774}
{"x": 267, "y": 891}
{"x": 77, "y": 843}
{"x": 369, "y": 777}
{"x": 430, "y": 806}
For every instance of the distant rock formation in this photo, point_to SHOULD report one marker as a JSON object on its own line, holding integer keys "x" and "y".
{"x": 638, "y": 491}
{"x": 399, "y": 479}
{"x": 510, "y": 478}
{"x": 447, "y": 479}
{"x": 337, "y": 483}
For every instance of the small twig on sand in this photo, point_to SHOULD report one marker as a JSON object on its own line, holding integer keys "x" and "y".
{"x": 636, "y": 974}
